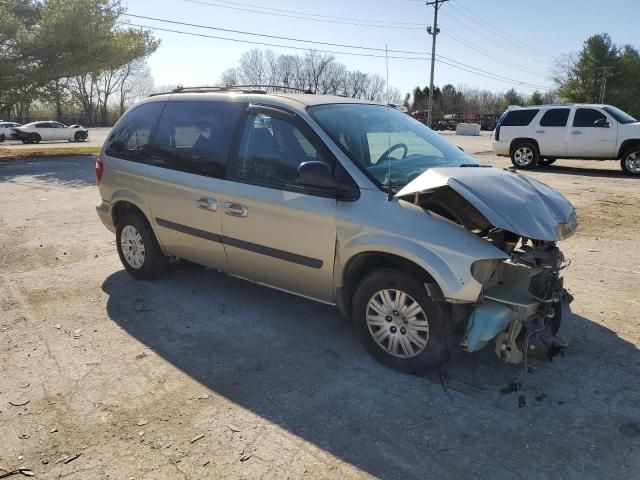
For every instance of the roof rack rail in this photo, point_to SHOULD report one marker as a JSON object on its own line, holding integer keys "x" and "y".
{"x": 235, "y": 88}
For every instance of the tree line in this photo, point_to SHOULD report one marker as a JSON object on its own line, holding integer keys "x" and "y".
{"x": 70, "y": 59}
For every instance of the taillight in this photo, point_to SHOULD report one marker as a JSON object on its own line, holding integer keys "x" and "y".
{"x": 99, "y": 169}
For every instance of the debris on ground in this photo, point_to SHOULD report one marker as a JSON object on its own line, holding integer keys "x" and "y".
{"x": 18, "y": 403}
{"x": 71, "y": 458}
{"x": 18, "y": 471}
{"x": 197, "y": 437}
{"x": 233, "y": 428}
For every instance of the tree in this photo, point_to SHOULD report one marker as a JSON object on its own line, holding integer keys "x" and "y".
{"x": 579, "y": 76}
{"x": 536, "y": 98}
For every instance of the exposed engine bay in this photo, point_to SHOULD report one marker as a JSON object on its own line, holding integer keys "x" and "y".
{"x": 523, "y": 306}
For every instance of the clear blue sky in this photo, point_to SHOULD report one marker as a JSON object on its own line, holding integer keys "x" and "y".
{"x": 522, "y": 36}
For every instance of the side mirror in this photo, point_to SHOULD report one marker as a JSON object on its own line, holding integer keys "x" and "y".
{"x": 602, "y": 123}
{"x": 318, "y": 175}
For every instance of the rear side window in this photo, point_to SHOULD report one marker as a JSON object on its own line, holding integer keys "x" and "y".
{"x": 131, "y": 136}
{"x": 196, "y": 137}
{"x": 519, "y": 118}
{"x": 43, "y": 125}
{"x": 555, "y": 117}
{"x": 586, "y": 117}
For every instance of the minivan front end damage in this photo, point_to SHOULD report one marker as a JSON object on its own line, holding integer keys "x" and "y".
{"x": 523, "y": 306}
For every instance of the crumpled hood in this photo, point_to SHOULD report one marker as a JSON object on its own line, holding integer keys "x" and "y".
{"x": 510, "y": 201}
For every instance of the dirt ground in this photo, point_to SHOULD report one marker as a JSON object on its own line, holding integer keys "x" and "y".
{"x": 198, "y": 375}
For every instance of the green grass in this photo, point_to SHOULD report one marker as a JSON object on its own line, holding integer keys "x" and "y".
{"x": 21, "y": 153}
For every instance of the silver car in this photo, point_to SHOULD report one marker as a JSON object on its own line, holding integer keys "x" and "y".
{"x": 346, "y": 202}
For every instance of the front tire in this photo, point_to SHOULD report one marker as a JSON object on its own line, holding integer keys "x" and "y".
{"x": 525, "y": 155}
{"x": 78, "y": 137}
{"x": 398, "y": 322}
{"x": 138, "y": 248}
{"x": 630, "y": 162}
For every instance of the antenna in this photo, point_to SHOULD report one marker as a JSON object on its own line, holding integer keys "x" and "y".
{"x": 389, "y": 183}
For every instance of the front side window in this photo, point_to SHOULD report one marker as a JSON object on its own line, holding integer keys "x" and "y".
{"x": 390, "y": 146}
{"x": 130, "y": 138}
{"x": 587, "y": 117}
{"x": 271, "y": 150}
{"x": 196, "y": 137}
{"x": 555, "y": 117}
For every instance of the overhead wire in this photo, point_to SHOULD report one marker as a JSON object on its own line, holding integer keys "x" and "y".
{"x": 443, "y": 59}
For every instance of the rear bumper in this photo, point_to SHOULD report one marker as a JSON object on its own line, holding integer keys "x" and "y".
{"x": 104, "y": 213}
{"x": 500, "y": 148}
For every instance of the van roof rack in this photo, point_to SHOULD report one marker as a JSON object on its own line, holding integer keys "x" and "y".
{"x": 236, "y": 88}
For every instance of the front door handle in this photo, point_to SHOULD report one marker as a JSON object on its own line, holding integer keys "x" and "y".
{"x": 206, "y": 203}
{"x": 576, "y": 132}
{"x": 540, "y": 131}
{"x": 235, "y": 209}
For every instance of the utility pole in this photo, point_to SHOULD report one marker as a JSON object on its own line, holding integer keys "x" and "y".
{"x": 433, "y": 31}
{"x": 603, "y": 84}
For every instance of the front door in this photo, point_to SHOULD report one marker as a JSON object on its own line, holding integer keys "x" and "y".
{"x": 585, "y": 139}
{"x": 186, "y": 171}
{"x": 274, "y": 231}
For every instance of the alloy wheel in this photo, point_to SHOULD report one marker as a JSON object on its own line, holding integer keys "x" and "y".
{"x": 397, "y": 323}
{"x": 632, "y": 162}
{"x": 523, "y": 156}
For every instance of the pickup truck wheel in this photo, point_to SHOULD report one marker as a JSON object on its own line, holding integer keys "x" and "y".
{"x": 546, "y": 161}
{"x": 398, "y": 322}
{"x": 138, "y": 248}
{"x": 630, "y": 162}
{"x": 525, "y": 155}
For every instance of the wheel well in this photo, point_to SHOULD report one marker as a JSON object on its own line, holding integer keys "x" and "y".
{"x": 122, "y": 208}
{"x": 627, "y": 144}
{"x": 517, "y": 141}
{"x": 364, "y": 263}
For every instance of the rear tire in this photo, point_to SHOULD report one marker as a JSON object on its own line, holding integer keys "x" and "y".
{"x": 630, "y": 162}
{"x": 410, "y": 335}
{"x": 138, "y": 248}
{"x": 525, "y": 155}
{"x": 34, "y": 138}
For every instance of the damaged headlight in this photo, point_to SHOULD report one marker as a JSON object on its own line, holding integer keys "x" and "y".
{"x": 542, "y": 284}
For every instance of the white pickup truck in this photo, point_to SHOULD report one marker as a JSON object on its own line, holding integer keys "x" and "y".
{"x": 540, "y": 134}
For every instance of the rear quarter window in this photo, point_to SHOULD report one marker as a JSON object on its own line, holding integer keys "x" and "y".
{"x": 519, "y": 118}
{"x": 131, "y": 136}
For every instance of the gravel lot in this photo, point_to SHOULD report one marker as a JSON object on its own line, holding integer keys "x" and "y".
{"x": 198, "y": 375}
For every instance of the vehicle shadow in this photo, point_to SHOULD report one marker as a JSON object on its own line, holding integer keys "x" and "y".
{"x": 68, "y": 171}
{"x": 584, "y": 171}
{"x": 299, "y": 365}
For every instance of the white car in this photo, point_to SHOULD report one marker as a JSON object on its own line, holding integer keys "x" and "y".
{"x": 6, "y": 129}
{"x": 540, "y": 134}
{"x": 35, "y": 132}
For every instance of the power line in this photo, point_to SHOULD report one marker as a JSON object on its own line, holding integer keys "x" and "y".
{"x": 301, "y": 17}
{"x": 442, "y": 59}
{"x": 500, "y": 44}
{"x": 488, "y": 54}
{"x": 228, "y": 30}
{"x": 253, "y": 42}
{"x": 507, "y": 36}
{"x": 309, "y": 14}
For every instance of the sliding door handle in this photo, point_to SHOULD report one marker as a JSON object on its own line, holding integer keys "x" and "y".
{"x": 235, "y": 209}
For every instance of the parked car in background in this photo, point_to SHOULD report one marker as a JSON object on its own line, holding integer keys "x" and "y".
{"x": 36, "y": 132}
{"x": 6, "y": 129}
{"x": 540, "y": 134}
{"x": 346, "y": 202}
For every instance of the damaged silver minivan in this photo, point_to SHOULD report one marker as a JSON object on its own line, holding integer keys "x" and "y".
{"x": 346, "y": 202}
